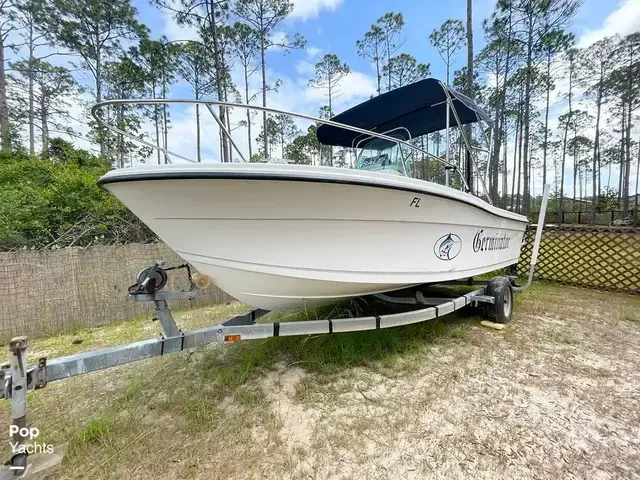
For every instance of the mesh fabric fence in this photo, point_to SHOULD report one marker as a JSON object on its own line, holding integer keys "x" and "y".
{"x": 48, "y": 291}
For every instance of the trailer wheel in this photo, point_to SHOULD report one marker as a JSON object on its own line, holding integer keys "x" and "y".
{"x": 501, "y": 290}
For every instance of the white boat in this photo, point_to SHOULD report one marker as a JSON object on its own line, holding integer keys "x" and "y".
{"x": 279, "y": 236}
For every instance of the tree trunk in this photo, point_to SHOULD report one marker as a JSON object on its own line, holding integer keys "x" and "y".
{"x": 228, "y": 120}
{"x": 5, "y": 128}
{"x": 120, "y": 138}
{"x": 330, "y": 115}
{"x": 519, "y": 197}
{"x": 156, "y": 121}
{"x": 44, "y": 127}
{"x": 505, "y": 172}
{"x": 470, "y": 47}
{"x": 627, "y": 164}
{"x": 564, "y": 141}
{"x": 198, "y": 132}
{"x": 576, "y": 170}
{"x": 546, "y": 123}
{"x": 515, "y": 152}
{"x": 637, "y": 178}
{"x": 31, "y": 66}
{"x": 469, "y": 128}
{"x": 621, "y": 169}
{"x": 596, "y": 148}
{"x": 165, "y": 120}
{"x": 218, "y": 60}
{"x": 246, "y": 100}
{"x": 264, "y": 93}
{"x": 99, "y": 90}
{"x": 378, "y": 72}
{"x": 527, "y": 120}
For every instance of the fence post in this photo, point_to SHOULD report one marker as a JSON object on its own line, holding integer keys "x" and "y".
{"x": 579, "y": 215}
{"x": 612, "y": 215}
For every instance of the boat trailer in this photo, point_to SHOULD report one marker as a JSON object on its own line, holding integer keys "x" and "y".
{"x": 493, "y": 297}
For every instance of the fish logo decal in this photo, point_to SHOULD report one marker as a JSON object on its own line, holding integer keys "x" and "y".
{"x": 447, "y": 247}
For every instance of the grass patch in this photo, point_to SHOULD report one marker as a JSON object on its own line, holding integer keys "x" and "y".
{"x": 200, "y": 412}
{"x": 97, "y": 430}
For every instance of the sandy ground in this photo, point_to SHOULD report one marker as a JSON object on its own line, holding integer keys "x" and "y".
{"x": 555, "y": 395}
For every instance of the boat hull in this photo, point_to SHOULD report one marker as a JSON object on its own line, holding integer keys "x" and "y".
{"x": 283, "y": 242}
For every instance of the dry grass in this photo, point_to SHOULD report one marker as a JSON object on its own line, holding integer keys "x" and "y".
{"x": 553, "y": 395}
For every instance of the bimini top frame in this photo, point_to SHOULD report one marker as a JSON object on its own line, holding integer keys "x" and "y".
{"x": 419, "y": 108}
{"x": 209, "y": 104}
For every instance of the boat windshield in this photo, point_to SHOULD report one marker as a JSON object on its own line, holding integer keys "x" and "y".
{"x": 379, "y": 155}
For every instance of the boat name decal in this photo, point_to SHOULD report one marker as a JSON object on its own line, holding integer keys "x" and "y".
{"x": 483, "y": 243}
{"x": 447, "y": 247}
{"x": 415, "y": 202}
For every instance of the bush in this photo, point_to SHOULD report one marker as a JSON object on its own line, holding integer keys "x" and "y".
{"x": 55, "y": 201}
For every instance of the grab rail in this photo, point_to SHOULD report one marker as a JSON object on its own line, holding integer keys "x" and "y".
{"x": 159, "y": 101}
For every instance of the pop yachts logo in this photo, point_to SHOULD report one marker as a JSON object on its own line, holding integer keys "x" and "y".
{"x": 482, "y": 243}
{"x": 447, "y": 247}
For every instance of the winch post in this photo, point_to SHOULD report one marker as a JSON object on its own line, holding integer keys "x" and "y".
{"x": 18, "y": 350}
{"x": 165, "y": 317}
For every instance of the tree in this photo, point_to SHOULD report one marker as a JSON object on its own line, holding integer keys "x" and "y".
{"x": 498, "y": 59}
{"x": 245, "y": 47}
{"x": 390, "y": 25}
{"x": 533, "y": 20}
{"x": 208, "y": 18}
{"x": 470, "y": 77}
{"x": 329, "y": 72}
{"x": 286, "y": 129}
{"x": 7, "y": 25}
{"x": 404, "y": 69}
{"x": 372, "y": 47}
{"x": 299, "y": 150}
{"x": 271, "y": 135}
{"x": 158, "y": 60}
{"x": 29, "y": 22}
{"x": 123, "y": 79}
{"x": 48, "y": 89}
{"x": 448, "y": 40}
{"x": 552, "y": 44}
{"x": 623, "y": 82}
{"x": 94, "y": 30}
{"x": 264, "y": 16}
{"x": 195, "y": 66}
{"x": 598, "y": 60}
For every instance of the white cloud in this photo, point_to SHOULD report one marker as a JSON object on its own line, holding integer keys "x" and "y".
{"x": 305, "y": 68}
{"x": 173, "y": 31}
{"x": 313, "y": 52}
{"x": 622, "y": 21}
{"x": 279, "y": 37}
{"x": 306, "y": 9}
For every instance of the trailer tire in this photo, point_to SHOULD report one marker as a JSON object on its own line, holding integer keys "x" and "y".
{"x": 501, "y": 290}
